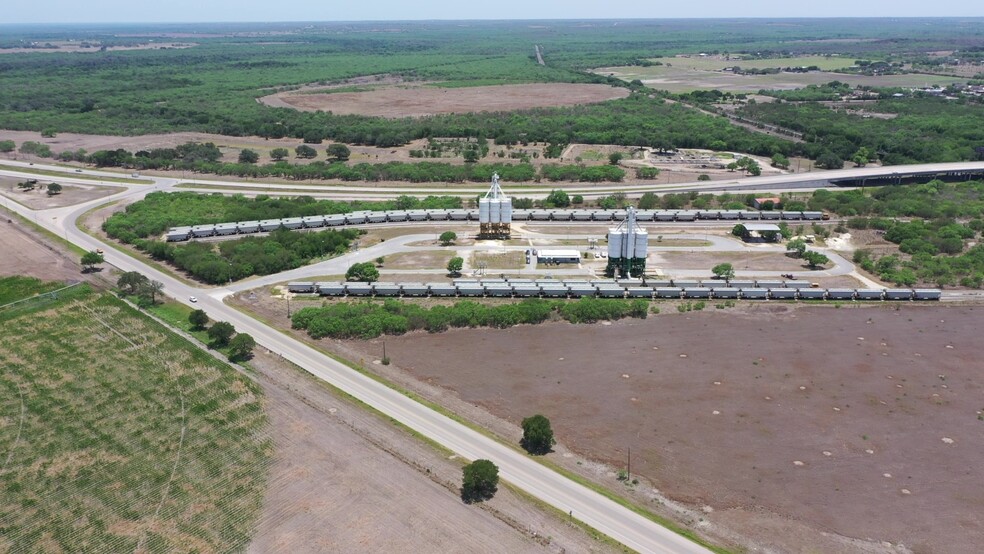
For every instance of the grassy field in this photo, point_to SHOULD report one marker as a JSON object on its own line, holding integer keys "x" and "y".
{"x": 119, "y": 436}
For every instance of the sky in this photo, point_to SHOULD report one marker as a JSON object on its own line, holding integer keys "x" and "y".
{"x": 190, "y": 11}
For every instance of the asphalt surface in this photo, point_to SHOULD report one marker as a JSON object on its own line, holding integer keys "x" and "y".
{"x": 582, "y": 503}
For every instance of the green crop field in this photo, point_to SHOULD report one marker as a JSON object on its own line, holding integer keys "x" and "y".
{"x": 117, "y": 435}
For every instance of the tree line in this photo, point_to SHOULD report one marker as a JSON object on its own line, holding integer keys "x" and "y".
{"x": 368, "y": 320}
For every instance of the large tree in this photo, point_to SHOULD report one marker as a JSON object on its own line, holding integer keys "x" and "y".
{"x": 558, "y": 199}
{"x": 448, "y": 237}
{"x": 54, "y": 188}
{"x": 305, "y": 151}
{"x": 131, "y": 282}
{"x": 480, "y": 481}
{"x": 278, "y": 154}
{"x": 220, "y": 333}
{"x": 339, "y": 151}
{"x": 815, "y": 259}
{"x": 362, "y": 272}
{"x": 241, "y": 347}
{"x": 455, "y": 265}
{"x": 198, "y": 319}
{"x": 723, "y": 271}
{"x": 537, "y": 435}
{"x": 796, "y": 247}
{"x": 90, "y": 260}
{"x": 247, "y": 156}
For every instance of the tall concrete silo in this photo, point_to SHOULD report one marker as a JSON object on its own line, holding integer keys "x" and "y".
{"x": 495, "y": 213}
{"x": 628, "y": 245}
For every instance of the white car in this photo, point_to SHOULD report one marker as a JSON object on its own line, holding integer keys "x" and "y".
{"x": 193, "y": 299}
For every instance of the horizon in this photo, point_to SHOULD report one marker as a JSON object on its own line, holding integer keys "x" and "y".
{"x": 257, "y": 11}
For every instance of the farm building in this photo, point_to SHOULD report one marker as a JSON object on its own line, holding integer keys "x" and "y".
{"x": 558, "y": 256}
{"x": 761, "y": 232}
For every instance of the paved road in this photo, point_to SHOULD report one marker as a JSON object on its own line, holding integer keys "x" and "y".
{"x": 773, "y": 183}
{"x": 586, "y": 505}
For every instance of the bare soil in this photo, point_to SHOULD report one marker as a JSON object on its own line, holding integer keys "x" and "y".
{"x": 38, "y": 198}
{"x": 26, "y": 252}
{"x": 345, "y": 480}
{"x": 416, "y": 101}
{"x": 785, "y": 438}
{"x": 764, "y": 261}
{"x": 435, "y": 259}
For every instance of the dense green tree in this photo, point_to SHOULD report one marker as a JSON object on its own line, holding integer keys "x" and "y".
{"x": 538, "y": 437}
{"x": 362, "y": 272}
{"x": 221, "y": 332}
{"x": 131, "y": 282}
{"x": 306, "y": 152}
{"x": 479, "y": 481}
{"x": 48, "y": 133}
{"x": 470, "y": 156}
{"x": 339, "y": 151}
{"x": 455, "y": 265}
{"x": 241, "y": 347}
{"x": 558, "y": 199}
{"x": 780, "y": 161}
{"x": 7, "y": 146}
{"x": 53, "y": 189}
{"x": 815, "y": 259}
{"x": 577, "y": 200}
{"x": 648, "y": 201}
{"x": 90, "y": 260}
{"x": 35, "y": 148}
{"x": 861, "y": 157}
{"x": 797, "y": 247}
{"x": 739, "y": 230}
{"x": 198, "y": 319}
{"x": 247, "y": 156}
{"x": 615, "y": 157}
{"x": 723, "y": 271}
{"x": 278, "y": 154}
{"x": 447, "y": 238}
{"x": 829, "y": 160}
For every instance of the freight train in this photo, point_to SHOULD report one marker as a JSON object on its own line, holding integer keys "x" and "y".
{"x": 573, "y": 288}
{"x": 413, "y": 216}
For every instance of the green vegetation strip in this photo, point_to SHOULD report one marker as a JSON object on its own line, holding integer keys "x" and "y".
{"x": 368, "y": 319}
{"x": 126, "y": 437}
{"x": 63, "y": 174}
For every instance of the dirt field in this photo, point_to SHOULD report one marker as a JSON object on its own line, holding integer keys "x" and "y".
{"x": 432, "y": 259}
{"x": 416, "y": 101}
{"x": 783, "y": 437}
{"x": 344, "y": 480}
{"x": 763, "y": 261}
{"x": 27, "y": 253}
{"x": 38, "y": 199}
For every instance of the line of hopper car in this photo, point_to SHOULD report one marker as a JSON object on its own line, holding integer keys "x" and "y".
{"x": 672, "y": 289}
{"x": 401, "y": 216}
